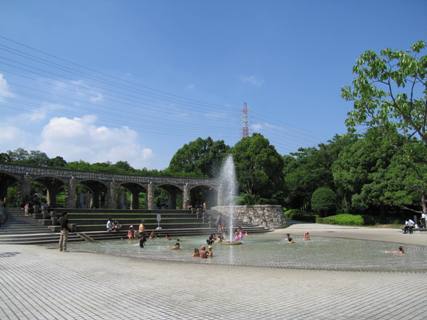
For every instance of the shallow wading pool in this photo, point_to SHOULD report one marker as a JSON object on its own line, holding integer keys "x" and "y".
{"x": 273, "y": 250}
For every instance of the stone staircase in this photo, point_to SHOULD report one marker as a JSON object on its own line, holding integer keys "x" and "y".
{"x": 20, "y": 229}
{"x": 90, "y": 225}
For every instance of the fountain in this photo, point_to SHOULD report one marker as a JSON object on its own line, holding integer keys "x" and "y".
{"x": 227, "y": 193}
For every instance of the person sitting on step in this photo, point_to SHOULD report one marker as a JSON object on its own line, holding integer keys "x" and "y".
{"x": 131, "y": 233}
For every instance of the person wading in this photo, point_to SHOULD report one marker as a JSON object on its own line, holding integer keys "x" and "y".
{"x": 63, "y": 237}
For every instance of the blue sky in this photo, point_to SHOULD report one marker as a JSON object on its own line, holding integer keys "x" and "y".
{"x": 135, "y": 80}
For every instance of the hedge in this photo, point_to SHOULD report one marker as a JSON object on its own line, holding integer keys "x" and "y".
{"x": 295, "y": 214}
{"x": 343, "y": 219}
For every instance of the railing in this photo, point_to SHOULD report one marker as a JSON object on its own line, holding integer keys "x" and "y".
{"x": 86, "y": 175}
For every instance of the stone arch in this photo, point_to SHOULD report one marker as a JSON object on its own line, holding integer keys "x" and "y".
{"x": 203, "y": 194}
{"x": 135, "y": 190}
{"x": 7, "y": 181}
{"x": 170, "y": 198}
{"x": 51, "y": 187}
{"x": 96, "y": 195}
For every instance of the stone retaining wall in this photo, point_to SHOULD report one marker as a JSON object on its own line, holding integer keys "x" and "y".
{"x": 269, "y": 216}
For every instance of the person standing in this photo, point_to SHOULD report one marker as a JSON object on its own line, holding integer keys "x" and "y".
{"x": 141, "y": 228}
{"x": 423, "y": 220}
{"x": 63, "y": 237}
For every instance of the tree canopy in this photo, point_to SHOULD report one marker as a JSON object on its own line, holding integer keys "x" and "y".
{"x": 202, "y": 157}
{"x": 258, "y": 167}
{"x": 390, "y": 89}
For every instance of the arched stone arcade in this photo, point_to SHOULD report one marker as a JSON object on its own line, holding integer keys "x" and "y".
{"x": 103, "y": 190}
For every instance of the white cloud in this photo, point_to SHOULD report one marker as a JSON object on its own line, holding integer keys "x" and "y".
{"x": 81, "y": 139}
{"x": 4, "y": 88}
{"x": 77, "y": 88}
{"x": 257, "y": 127}
{"x": 41, "y": 113}
{"x": 252, "y": 80}
{"x": 36, "y": 115}
{"x": 12, "y": 137}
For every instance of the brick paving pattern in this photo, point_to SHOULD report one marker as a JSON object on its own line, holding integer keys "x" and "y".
{"x": 38, "y": 283}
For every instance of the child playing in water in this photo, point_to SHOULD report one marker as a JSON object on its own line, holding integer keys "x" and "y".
{"x": 142, "y": 240}
{"x": 307, "y": 236}
{"x": 399, "y": 252}
{"x": 209, "y": 253}
{"x": 196, "y": 252}
{"x": 131, "y": 233}
{"x": 177, "y": 245}
{"x": 289, "y": 238}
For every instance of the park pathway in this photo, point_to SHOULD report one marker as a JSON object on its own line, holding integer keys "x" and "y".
{"x": 41, "y": 283}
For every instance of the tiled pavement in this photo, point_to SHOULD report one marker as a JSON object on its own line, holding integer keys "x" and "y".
{"x": 40, "y": 283}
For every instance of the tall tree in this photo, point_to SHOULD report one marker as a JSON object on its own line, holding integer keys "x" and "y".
{"x": 258, "y": 167}
{"x": 310, "y": 168}
{"x": 390, "y": 89}
{"x": 201, "y": 157}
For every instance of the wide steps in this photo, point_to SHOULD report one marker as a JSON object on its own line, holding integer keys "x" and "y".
{"x": 101, "y": 227}
{"x": 132, "y": 221}
{"x": 119, "y": 216}
{"x": 37, "y": 238}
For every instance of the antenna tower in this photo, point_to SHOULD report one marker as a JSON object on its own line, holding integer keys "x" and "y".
{"x": 245, "y": 121}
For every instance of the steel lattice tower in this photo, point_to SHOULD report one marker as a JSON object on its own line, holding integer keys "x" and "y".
{"x": 245, "y": 121}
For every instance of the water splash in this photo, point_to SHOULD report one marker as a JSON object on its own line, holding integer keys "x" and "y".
{"x": 228, "y": 190}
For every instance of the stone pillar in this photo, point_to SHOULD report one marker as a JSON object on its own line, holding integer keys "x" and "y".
{"x": 186, "y": 197}
{"x": 122, "y": 200}
{"x": 25, "y": 188}
{"x": 134, "y": 204}
{"x": 95, "y": 199}
{"x": 72, "y": 193}
{"x": 172, "y": 199}
{"x": 150, "y": 196}
{"x": 82, "y": 200}
{"x": 146, "y": 200}
{"x": 112, "y": 195}
{"x": 51, "y": 197}
{"x": 3, "y": 189}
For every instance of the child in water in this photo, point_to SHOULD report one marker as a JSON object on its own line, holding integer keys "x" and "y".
{"x": 196, "y": 252}
{"x": 177, "y": 245}
{"x": 289, "y": 238}
{"x": 142, "y": 240}
{"x": 399, "y": 252}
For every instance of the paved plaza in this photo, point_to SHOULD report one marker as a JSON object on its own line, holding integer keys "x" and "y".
{"x": 41, "y": 283}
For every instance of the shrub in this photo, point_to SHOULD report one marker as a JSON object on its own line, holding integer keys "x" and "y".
{"x": 343, "y": 219}
{"x": 323, "y": 200}
{"x": 295, "y": 214}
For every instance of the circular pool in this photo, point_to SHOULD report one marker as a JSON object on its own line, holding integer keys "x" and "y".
{"x": 273, "y": 250}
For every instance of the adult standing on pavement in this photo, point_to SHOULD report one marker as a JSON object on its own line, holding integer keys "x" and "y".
{"x": 423, "y": 220}
{"x": 63, "y": 237}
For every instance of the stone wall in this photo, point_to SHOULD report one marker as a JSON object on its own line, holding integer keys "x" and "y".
{"x": 269, "y": 216}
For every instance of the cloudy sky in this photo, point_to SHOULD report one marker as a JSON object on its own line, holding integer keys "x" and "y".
{"x": 135, "y": 80}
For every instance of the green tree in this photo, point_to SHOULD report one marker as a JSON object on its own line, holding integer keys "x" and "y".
{"x": 406, "y": 178}
{"x": 5, "y": 158}
{"x": 362, "y": 162}
{"x": 390, "y": 89}
{"x": 324, "y": 200}
{"x": 310, "y": 168}
{"x": 57, "y": 162}
{"x": 258, "y": 168}
{"x": 402, "y": 184}
{"x": 201, "y": 157}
